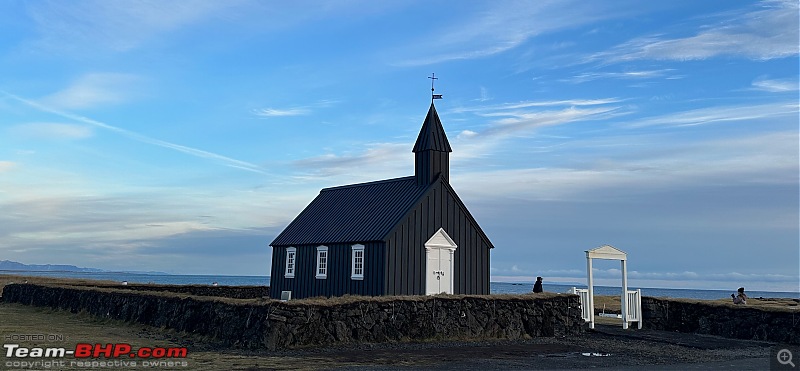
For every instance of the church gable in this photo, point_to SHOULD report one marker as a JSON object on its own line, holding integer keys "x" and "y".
{"x": 439, "y": 207}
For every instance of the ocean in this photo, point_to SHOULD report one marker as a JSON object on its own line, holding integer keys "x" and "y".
{"x": 496, "y": 287}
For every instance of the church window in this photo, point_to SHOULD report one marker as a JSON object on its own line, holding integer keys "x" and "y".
{"x": 358, "y": 262}
{"x": 291, "y": 261}
{"x": 322, "y": 262}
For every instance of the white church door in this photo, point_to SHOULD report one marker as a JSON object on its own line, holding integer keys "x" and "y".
{"x": 439, "y": 251}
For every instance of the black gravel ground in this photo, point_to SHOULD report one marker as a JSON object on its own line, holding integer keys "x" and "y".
{"x": 606, "y": 348}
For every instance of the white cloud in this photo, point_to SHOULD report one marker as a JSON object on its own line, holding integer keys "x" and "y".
{"x": 775, "y": 85}
{"x": 44, "y": 130}
{"x": 376, "y": 161}
{"x": 466, "y": 134}
{"x": 294, "y": 111}
{"x": 271, "y": 112}
{"x": 489, "y": 110}
{"x": 769, "y": 158}
{"x": 627, "y": 75}
{"x": 717, "y": 114}
{"x": 523, "y": 118}
{"x": 504, "y": 26}
{"x": 767, "y": 33}
{"x": 94, "y": 89}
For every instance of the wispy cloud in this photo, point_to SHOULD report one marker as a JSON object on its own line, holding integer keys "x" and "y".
{"x": 46, "y": 130}
{"x": 505, "y": 26}
{"x": 766, "y": 33}
{"x": 626, "y": 75}
{"x": 94, "y": 89}
{"x": 653, "y": 165}
{"x": 96, "y": 24}
{"x": 513, "y": 122}
{"x": 271, "y": 112}
{"x": 523, "y": 118}
{"x": 709, "y": 115}
{"x": 377, "y": 160}
{"x": 489, "y": 109}
{"x": 775, "y": 85}
{"x": 227, "y": 161}
{"x": 293, "y": 111}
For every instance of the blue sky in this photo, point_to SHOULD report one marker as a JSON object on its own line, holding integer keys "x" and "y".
{"x": 182, "y": 136}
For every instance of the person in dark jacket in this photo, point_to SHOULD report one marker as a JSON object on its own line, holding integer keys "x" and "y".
{"x": 537, "y": 287}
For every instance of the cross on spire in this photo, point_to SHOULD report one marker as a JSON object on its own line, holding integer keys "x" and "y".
{"x": 433, "y": 79}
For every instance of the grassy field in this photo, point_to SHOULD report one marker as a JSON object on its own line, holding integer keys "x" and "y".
{"x": 612, "y": 303}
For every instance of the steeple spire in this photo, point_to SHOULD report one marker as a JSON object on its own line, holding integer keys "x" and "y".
{"x": 432, "y": 135}
{"x": 432, "y": 150}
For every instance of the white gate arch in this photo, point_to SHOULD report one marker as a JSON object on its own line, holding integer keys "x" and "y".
{"x": 631, "y": 301}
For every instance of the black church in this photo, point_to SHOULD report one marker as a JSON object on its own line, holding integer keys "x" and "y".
{"x": 403, "y": 236}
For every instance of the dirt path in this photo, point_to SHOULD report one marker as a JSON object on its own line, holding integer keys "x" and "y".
{"x": 607, "y": 347}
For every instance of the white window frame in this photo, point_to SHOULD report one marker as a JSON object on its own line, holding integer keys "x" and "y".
{"x": 355, "y": 274}
{"x": 291, "y": 262}
{"x": 323, "y": 260}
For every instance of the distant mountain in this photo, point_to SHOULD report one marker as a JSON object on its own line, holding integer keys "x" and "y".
{"x": 7, "y": 265}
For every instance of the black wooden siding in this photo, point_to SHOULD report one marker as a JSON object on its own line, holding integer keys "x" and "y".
{"x": 338, "y": 282}
{"x": 440, "y": 207}
{"x": 429, "y": 164}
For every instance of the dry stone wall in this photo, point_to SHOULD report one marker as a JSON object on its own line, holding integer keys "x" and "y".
{"x": 737, "y": 322}
{"x": 274, "y": 324}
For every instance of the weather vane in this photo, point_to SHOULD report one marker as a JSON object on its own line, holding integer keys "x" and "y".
{"x": 433, "y": 79}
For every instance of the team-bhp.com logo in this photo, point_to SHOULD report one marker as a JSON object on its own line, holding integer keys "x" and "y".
{"x": 87, "y": 355}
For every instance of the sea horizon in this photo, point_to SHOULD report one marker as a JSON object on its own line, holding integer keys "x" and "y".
{"x": 497, "y": 287}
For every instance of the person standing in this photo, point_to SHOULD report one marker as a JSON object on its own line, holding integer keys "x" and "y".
{"x": 537, "y": 287}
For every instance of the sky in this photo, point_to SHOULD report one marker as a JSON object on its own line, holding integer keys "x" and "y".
{"x": 183, "y": 136}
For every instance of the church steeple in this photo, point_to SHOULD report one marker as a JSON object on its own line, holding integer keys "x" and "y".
{"x": 432, "y": 150}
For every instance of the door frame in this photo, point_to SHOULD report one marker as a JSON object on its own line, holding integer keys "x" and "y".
{"x": 440, "y": 241}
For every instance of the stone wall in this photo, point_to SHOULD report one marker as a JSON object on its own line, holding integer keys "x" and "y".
{"x": 727, "y": 320}
{"x": 274, "y": 324}
{"x": 234, "y": 292}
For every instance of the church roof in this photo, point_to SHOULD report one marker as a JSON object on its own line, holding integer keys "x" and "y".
{"x": 352, "y": 213}
{"x": 432, "y": 136}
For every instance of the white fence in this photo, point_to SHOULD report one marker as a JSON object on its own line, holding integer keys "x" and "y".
{"x": 586, "y": 311}
{"x": 633, "y": 306}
